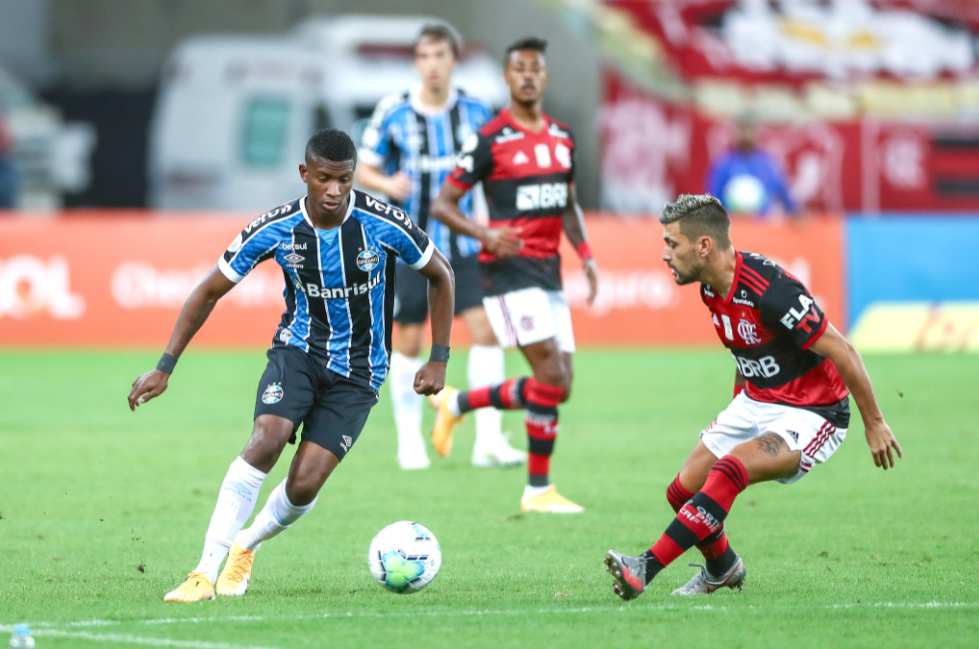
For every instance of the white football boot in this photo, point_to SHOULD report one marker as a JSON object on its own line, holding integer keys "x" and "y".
{"x": 492, "y": 449}
{"x": 704, "y": 583}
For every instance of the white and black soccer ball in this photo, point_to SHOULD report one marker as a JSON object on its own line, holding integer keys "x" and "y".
{"x": 404, "y": 557}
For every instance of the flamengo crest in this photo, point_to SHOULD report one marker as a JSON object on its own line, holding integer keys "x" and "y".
{"x": 747, "y": 332}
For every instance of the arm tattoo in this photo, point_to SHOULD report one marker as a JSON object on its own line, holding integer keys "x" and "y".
{"x": 770, "y": 443}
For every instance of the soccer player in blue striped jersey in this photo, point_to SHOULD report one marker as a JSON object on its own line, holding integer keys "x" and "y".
{"x": 408, "y": 150}
{"x": 330, "y": 353}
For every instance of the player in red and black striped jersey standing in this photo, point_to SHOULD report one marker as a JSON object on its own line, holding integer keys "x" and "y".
{"x": 791, "y": 406}
{"x": 525, "y": 160}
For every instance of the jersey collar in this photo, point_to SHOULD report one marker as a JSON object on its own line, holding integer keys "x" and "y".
{"x": 414, "y": 96}
{"x": 513, "y": 123}
{"x": 737, "y": 278}
{"x": 350, "y": 209}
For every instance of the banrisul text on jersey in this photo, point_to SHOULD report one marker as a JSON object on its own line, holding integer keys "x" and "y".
{"x": 338, "y": 283}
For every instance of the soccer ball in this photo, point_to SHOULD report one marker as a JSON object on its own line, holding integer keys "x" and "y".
{"x": 404, "y": 557}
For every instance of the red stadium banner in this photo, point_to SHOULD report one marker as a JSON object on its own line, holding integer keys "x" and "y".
{"x": 118, "y": 280}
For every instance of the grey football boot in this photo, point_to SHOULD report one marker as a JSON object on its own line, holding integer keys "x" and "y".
{"x": 629, "y": 573}
{"x": 704, "y": 583}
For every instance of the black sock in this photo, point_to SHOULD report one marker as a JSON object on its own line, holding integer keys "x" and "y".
{"x": 653, "y": 566}
{"x": 719, "y": 565}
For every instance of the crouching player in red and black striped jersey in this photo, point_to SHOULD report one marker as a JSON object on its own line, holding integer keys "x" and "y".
{"x": 791, "y": 406}
{"x": 525, "y": 161}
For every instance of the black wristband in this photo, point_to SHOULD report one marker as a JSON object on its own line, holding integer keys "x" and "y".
{"x": 440, "y": 354}
{"x": 167, "y": 363}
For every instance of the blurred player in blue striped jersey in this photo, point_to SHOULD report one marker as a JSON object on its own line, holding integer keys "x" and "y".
{"x": 408, "y": 150}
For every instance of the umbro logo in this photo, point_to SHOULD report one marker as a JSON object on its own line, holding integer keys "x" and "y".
{"x": 346, "y": 443}
{"x": 293, "y": 258}
{"x": 521, "y": 158}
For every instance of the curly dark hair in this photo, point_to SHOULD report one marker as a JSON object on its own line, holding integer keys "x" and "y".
{"x": 332, "y": 144}
{"x": 529, "y": 43}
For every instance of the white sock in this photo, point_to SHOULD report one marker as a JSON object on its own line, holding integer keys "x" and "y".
{"x": 486, "y": 368}
{"x": 277, "y": 515}
{"x": 407, "y": 404}
{"x": 236, "y": 502}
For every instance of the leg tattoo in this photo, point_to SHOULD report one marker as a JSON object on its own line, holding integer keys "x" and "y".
{"x": 770, "y": 443}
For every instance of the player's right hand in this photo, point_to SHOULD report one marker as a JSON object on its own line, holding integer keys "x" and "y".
{"x": 501, "y": 242}
{"x": 146, "y": 387}
{"x": 398, "y": 186}
{"x": 882, "y": 444}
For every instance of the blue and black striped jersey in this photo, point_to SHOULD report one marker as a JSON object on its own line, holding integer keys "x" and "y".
{"x": 404, "y": 136}
{"x": 339, "y": 290}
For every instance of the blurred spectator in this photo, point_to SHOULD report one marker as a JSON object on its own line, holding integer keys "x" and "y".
{"x": 8, "y": 173}
{"x": 747, "y": 179}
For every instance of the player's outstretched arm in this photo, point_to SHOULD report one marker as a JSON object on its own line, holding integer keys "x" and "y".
{"x": 882, "y": 443}
{"x": 430, "y": 379}
{"x": 498, "y": 241}
{"x": 574, "y": 228}
{"x": 192, "y": 316}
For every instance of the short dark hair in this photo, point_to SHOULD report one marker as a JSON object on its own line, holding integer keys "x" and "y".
{"x": 440, "y": 32}
{"x": 332, "y": 144}
{"x": 529, "y": 43}
{"x": 698, "y": 215}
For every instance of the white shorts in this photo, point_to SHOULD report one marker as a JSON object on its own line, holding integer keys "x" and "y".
{"x": 803, "y": 430}
{"x": 529, "y": 316}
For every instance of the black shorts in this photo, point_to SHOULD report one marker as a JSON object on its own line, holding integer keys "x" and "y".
{"x": 411, "y": 290}
{"x": 332, "y": 408}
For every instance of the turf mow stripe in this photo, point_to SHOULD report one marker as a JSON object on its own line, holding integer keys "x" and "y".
{"x": 47, "y": 627}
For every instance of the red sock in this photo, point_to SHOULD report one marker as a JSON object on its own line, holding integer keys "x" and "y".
{"x": 541, "y": 418}
{"x": 712, "y": 547}
{"x": 508, "y": 395}
{"x": 704, "y": 514}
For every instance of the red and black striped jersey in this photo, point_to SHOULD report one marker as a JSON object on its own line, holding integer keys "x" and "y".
{"x": 769, "y": 321}
{"x": 527, "y": 180}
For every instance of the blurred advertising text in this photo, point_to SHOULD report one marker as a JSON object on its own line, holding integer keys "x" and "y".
{"x": 120, "y": 281}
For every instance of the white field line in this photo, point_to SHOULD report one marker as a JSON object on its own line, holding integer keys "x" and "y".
{"x": 134, "y": 639}
{"x": 45, "y": 627}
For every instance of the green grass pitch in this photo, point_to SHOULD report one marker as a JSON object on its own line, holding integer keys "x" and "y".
{"x": 102, "y": 511}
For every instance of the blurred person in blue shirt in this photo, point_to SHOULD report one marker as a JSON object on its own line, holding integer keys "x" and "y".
{"x": 8, "y": 172}
{"x": 748, "y": 179}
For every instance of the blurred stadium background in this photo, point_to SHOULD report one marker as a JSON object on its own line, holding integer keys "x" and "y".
{"x": 123, "y": 117}
{"x": 138, "y": 137}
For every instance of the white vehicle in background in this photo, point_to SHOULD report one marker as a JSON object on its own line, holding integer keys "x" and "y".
{"x": 234, "y": 113}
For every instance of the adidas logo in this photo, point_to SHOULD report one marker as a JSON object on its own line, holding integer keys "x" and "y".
{"x": 521, "y": 158}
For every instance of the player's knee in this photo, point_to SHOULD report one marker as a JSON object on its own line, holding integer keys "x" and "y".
{"x": 269, "y": 436}
{"x": 302, "y": 490}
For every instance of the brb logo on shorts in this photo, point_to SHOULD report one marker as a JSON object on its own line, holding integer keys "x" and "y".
{"x": 543, "y": 196}
{"x": 273, "y": 394}
{"x": 368, "y": 260}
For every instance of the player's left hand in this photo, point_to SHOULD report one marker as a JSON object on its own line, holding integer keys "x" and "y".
{"x": 146, "y": 387}
{"x": 590, "y": 269}
{"x": 430, "y": 379}
{"x": 882, "y": 444}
